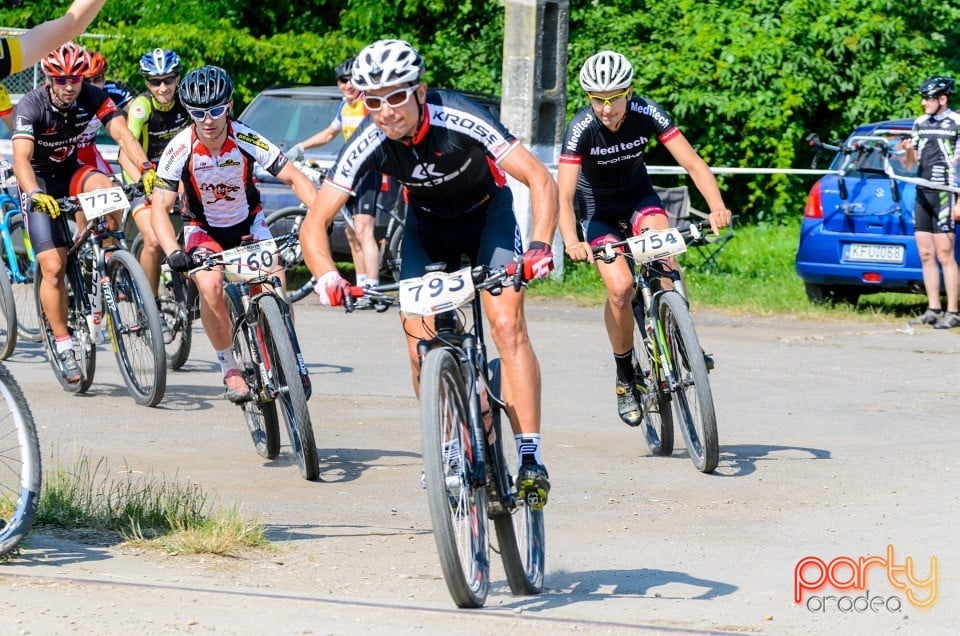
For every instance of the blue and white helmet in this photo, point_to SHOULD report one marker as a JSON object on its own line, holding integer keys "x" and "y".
{"x": 159, "y": 62}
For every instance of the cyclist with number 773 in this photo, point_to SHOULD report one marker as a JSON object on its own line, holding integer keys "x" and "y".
{"x": 602, "y": 172}
{"x": 451, "y": 154}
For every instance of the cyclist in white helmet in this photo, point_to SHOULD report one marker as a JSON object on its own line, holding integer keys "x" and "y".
{"x": 452, "y": 156}
{"x": 602, "y": 173}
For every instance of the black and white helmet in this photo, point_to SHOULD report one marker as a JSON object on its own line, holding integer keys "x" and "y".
{"x": 206, "y": 87}
{"x": 606, "y": 71}
{"x": 386, "y": 63}
{"x": 936, "y": 86}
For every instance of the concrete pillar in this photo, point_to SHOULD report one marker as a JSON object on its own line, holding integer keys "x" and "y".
{"x": 533, "y": 100}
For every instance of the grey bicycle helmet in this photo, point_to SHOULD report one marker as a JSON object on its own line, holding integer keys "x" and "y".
{"x": 937, "y": 86}
{"x": 206, "y": 87}
{"x": 606, "y": 71}
{"x": 387, "y": 63}
{"x": 344, "y": 68}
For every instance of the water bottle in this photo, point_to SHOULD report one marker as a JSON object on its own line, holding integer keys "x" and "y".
{"x": 95, "y": 318}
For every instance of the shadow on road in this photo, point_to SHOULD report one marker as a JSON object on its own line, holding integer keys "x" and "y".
{"x": 742, "y": 459}
{"x": 341, "y": 465}
{"x": 303, "y": 532}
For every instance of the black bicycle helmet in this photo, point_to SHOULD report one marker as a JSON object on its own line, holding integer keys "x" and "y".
{"x": 344, "y": 68}
{"x": 937, "y": 86}
{"x": 206, "y": 87}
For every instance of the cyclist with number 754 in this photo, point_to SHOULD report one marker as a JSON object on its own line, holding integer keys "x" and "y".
{"x": 214, "y": 159}
{"x": 602, "y": 172}
{"x": 451, "y": 155}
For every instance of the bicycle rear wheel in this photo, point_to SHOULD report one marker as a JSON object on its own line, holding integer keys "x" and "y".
{"x": 285, "y": 221}
{"x": 692, "y": 397}
{"x": 458, "y": 510}
{"x": 135, "y": 330}
{"x": 291, "y": 398}
{"x": 86, "y": 350}
{"x": 657, "y": 415}
{"x": 260, "y": 413}
{"x": 8, "y": 317}
{"x": 520, "y": 529}
{"x": 19, "y": 464}
{"x": 28, "y": 327}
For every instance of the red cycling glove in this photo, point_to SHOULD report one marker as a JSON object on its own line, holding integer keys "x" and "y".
{"x": 537, "y": 261}
{"x": 332, "y": 289}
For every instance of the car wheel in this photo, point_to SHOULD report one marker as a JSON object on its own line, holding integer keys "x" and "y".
{"x": 831, "y": 294}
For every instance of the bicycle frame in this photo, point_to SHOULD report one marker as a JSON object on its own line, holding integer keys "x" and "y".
{"x": 9, "y": 250}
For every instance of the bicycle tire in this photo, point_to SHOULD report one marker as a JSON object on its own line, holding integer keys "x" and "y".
{"x": 8, "y": 317}
{"x": 657, "y": 412}
{"x": 390, "y": 261}
{"x": 28, "y": 327}
{"x": 693, "y": 408}
{"x": 283, "y": 221}
{"x": 458, "y": 509}
{"x": 520, "y": 532}
{"x": 20, "y": 470}
{"x": 260, "y": 413}
{"x": 174, "y": 313}
{"x": 291, "y": 397}
{"x": 137, "y": 338}
{"x": 77, "y": 325}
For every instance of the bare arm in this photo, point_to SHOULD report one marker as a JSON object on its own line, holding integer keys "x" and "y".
{"x": 117, "y": 127}
{"x": 524, "y": 167}
{"x": 302, "y": 187}
{"x": 43, "y": 38}
{"x": 313, "y": 232}
{"x": 567, "y": 175}
{"x": 162, "y": 202}
{"x": 325, "y": 136}
{"x": 22, "y": 168}
{"x": 706, "y": 183}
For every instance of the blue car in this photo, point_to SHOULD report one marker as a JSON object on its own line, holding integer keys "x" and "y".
{"x": 857, "y": 232}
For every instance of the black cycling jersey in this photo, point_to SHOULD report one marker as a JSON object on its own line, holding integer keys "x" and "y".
{"x": 611, "y": 162}
{"x": 937, "y": 140}
{"x": 154, "y": 127}
{"x": 56, "y": 133}
{"x": 118, "y": 93}
{"x": 449, "y": 167}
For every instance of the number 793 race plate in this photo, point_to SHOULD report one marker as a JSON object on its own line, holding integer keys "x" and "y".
{"x": 436, "y": 292}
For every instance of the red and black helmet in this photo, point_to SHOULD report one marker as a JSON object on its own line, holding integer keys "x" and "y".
{"x": 69, "y": 60}
{"x": 98, "y": 65}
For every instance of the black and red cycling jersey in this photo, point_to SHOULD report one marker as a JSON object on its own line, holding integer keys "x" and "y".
{"x": 449, "y": 167}
{"x": 57, "y": 133}
{"x": 612, "y": 162}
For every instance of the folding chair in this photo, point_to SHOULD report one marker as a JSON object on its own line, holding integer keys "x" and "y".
{"x": 676, "y": 201}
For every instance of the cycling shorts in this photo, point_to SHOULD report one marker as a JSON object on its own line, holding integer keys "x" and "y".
{"x": 489, "y": 235}
{"x": 931, "y": 211}
{"x": 44, "y": 233}
{"x": 607, "y": 226}
{"x": 367, "y": 192}
{"x": 214, "y": 240}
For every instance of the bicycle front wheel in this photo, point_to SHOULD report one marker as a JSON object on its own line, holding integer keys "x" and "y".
{"x": 19, "y": 464}
{"x": 657, "y": 415}
{"x": 86, "y": 350}
{"x": 135, "y": 330}
{"x": 458, "y": 510}
{"x": 260, "y": 413}
{"x": 285, "y": 221}
{"x": 28, "y": 326}
{"x": 692, "y": 397}
{"x": 520, "y": 529}
{"x": 174, "y": 313}
{"x": 8, "y": 316}
{"x": 291, "y": 397}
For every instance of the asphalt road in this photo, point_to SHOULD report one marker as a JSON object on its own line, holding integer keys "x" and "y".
{"x": 835, "y": 443}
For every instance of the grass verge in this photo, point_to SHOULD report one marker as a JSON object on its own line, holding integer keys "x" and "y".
{"x": 144, "y": 509}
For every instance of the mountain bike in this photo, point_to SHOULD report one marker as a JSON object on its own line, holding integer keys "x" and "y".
{"x": 18, "y": 259}
{"x": 666, "y": 348}
{"x": 19, "y": 464}
{"x": 105, "y": 282}
{"x": 469, "y": 470}
{"x": 389, "y": 235}
{"x": 266, "y": 346}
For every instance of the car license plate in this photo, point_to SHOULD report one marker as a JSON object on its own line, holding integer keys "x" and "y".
{"x": 871, "y": 253}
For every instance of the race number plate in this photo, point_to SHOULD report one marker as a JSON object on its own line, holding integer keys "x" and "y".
{"x": 251, "y": 261}
{"x": 97, "y": 203}
{"x": 652, "y": 245}
{"x": 436, "y": 292}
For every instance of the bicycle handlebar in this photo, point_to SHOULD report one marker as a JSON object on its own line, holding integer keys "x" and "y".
{"x": 71, "y": 204}
{"x": 694, "y": 235}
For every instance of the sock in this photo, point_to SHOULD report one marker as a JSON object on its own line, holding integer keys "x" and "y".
{"x": 63, "y": 343}
{"x": 528, "y": 448}
{"x": 227, "y": 360}
{"x": 361, "y": 280}
{"x": 625, "y": 372}
{"x": 371, "y": 282}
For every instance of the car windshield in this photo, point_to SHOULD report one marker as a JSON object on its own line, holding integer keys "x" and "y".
{"x": 873, "y": 162}
{"x": 285, "y": 120}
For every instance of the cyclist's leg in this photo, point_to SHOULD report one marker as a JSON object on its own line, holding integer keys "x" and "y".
{"x": 944, "y": 240}
{"x": 87, "y": 179}
{"x": 49, "y": 244}
{"x": 363, "y": 224}
{"x": 650, "y": 215}
{"x": 150, "y": 255}
{"x": 356, "y": 249}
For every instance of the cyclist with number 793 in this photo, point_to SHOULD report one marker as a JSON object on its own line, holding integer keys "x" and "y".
{"x": 451, "y": 154}
{"x": 214, "y": 160}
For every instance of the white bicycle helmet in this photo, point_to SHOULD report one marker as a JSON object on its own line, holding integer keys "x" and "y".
{"x": 386, "y": 63}
{"x": 606, "y": 71}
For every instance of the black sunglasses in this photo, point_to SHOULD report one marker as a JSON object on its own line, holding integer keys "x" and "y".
{"x": 169, "y": 81}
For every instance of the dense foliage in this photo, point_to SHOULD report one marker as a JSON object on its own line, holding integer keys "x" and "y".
{"x": 746, "y": 79}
